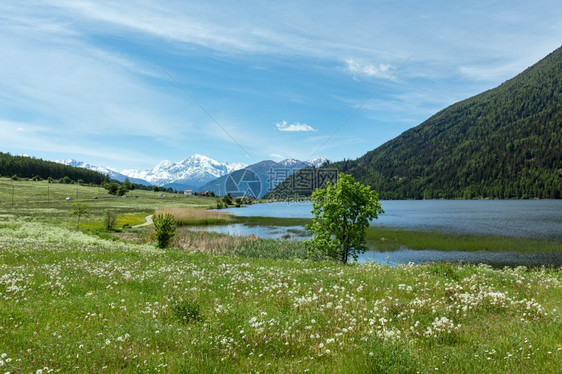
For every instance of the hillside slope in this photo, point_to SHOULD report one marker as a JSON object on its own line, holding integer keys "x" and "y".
{"x": 502, "y": 143}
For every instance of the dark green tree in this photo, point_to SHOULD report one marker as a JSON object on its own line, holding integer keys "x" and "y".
{"x": 112, "y": 188}
{"x": 165, "y": 228}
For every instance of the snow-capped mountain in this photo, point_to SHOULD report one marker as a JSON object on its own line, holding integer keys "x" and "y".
{"x": 194, "y": 171}
{"x": 111, "y": 172}
{"x": 318, "y": 161}
{"x": 187, "y": 174}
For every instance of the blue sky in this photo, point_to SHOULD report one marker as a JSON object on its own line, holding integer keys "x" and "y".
{"x": 130, "y": 83}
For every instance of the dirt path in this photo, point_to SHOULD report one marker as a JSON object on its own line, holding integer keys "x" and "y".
{"x": 147, "y": 223}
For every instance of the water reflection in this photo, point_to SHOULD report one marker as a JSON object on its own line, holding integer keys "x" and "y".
{"x": 272, "y": 232}
{"x": 402, "y": 256}
{"x": 495, "y": 259}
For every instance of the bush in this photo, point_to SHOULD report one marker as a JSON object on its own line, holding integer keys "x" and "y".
{"x": 109, "y": 219}
{"x": 165, "y": 228}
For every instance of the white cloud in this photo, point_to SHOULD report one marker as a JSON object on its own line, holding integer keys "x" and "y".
{"x": 278, "y": 156}
{"x": 358, "y": 68}
{"x": 294, "y": 127}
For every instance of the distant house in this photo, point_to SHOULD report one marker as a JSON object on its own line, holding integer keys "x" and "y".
{"x": 187, "y": 192}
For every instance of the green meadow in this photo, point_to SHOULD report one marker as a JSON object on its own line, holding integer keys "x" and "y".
{"x": 97, "y": 300}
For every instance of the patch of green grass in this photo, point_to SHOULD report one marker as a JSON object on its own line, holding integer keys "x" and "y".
{"x": 386, "y": 239}
{"x": 271, "y": 221}
{"x": 131, "y": 219}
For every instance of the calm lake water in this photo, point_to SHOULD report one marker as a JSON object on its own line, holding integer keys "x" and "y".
{"x": 540, "y": 219}
{"x": 524, "y": 218}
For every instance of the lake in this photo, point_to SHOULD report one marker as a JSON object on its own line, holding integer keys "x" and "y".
{"x": 541, "y": 219}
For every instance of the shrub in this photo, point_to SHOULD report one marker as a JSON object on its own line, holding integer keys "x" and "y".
{"x": 79, "y": 210}
{"x": 109, "y": 219}
{"x": 165, "y": 228}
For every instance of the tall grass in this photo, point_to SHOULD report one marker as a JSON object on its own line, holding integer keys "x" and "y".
{"x": 246, "y": 246}
{"x": 195, "y": 216}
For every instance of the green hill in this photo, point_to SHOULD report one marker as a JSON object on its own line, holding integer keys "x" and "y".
{"x": 502, "y": 143}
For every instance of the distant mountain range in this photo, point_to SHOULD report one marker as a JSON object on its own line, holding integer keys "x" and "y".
{"x": 257, "y": 179}
{"x": 201, "y": 173}
{"x": 503, "y": 143}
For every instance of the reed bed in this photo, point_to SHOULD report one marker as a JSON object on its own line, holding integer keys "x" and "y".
{"x": 195, "y": 216}
{"x": 245, "y": 246}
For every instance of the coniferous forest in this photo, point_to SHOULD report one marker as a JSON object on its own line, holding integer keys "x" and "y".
{"x": 30, "y": 167}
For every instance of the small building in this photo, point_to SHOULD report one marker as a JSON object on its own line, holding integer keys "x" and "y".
{"x": 188, "y": 192}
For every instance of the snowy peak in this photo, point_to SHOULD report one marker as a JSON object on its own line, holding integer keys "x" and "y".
{"x": 195, "y": 170}
{"x": 318, "y": 161}
{"x": 79, "y": 164}
{"x": 289, "y": 162}
{"x": 189, "y": 173}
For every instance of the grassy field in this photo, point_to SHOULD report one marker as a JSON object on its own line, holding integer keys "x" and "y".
{"x": 92, "y": 300}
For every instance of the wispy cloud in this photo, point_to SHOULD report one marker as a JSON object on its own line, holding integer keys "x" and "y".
{"x": 294, "y": 127}
{"x": 359, "y": 68}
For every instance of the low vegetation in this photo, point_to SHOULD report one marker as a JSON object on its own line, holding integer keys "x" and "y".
{"x": 93, "y": 299}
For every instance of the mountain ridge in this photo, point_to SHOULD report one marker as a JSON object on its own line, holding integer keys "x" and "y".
{"x": 190, "y": 173}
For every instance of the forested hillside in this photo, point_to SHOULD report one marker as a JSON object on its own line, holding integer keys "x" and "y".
{"x": 503, "y": 143}
{"x": 29, "y": 167}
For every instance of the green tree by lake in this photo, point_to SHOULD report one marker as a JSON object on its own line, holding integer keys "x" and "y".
{"x": 341, "y": 214}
